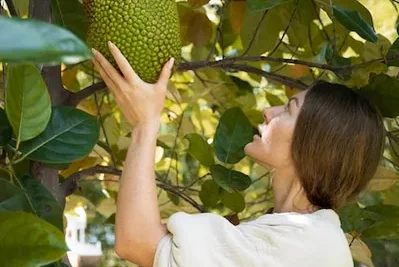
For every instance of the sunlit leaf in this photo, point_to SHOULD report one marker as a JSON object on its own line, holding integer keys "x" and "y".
{"x": 28, "y": 104}
{"x": 200, "y": 149}
{"x": 25, "y": 238}
{"x": 360, "y": 251}
{"x": 383, "y": 179}
{"x": 383, "y": 229}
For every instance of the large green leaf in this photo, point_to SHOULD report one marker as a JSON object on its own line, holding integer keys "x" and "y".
{"x": 354, "y": 218}
{"x": 31, "y": 41}
{"x": 353, "y": 21}
{"x": 234, "y": 201}
{"x": 383, "y": 229}
{"x": 12, "y": 198}
{"x": 33, "y": 197}
{"x": 70, "y": 15}
{"x": 383, "y": 90}
{"x": 267, "y": 29}
{"x": 393, "y": 53}
{"x": 230, "y": 180}
{"x": 233, "y": 132}
{"x": 70, "y": 135}
{"x": 28, "y": 103}
{"x": 5, "y": 128}
{"x": 256, "y": 5}
{"x": 43, "y": 202}
{"x": 29, "y": 241}
{"x": 383, "y": 212}
{"x": 200, "y": 149}
{"x": 209, "y": 193}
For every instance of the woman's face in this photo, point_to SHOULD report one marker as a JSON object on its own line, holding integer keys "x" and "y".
{"x": 272, "y": 147}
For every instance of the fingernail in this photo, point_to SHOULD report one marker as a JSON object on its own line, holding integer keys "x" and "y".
{"x": 171, "y": 62}
{"x": 94, "y": 51}
{"x": 110, "y": 44}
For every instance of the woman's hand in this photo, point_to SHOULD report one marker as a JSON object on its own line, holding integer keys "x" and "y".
{"x": 140, "y": 102}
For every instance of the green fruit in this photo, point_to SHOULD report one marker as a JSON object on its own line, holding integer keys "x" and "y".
{"x": 146, "y": 32}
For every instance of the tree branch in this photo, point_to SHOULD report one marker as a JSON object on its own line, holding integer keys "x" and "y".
{"x": 272, "y": 76}
{"x": 224, "y": 63}
{"x": 218, "y": 31}
{"x": 71, "y": 183}
{"x": 76, "y": 98}
{"x": 11, "y": 8}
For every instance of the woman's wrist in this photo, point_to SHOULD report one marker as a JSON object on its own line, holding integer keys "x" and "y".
{"x": 147, "y": 128}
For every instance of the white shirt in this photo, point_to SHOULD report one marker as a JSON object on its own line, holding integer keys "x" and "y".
{"x": 272, "y": 240}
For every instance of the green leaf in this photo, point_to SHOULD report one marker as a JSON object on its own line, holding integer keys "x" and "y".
{"x": 233, "y": 132}
{"x": 383, "y": 90}
{"x": 209, "y": 193}
{"x": 230, "y": 180}
{"x": 12, "y": 198}
{"x": 43, "y": 202}
{"x": 33, "y": 198}
{"x": 234, "y": 201}
{"x": 383, "y": 179}
{"x": 70, "y": 135}
{"x": 29, "y": 241}
{"x": 33, "y": 41}
{"x": 393, "y": 52}
{"x": 269, "y": 28}
{"x": 354, "y": 218}
{"x": 383, "y": 229}
{"x": 353, "y": 21}
{"x": 383, "y": 212}
{"x": 256, "y": 5}
{"x": 5, "y": 128}
{"x": 175, "y": 199}
{"x": 200, "y": 149}
{"x": 70, "y": 15}
{"x": 28, "y": 104}
{"x": 111, "y": 219}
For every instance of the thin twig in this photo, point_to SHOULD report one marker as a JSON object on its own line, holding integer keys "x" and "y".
{"x": 321, "y": 22}
{"x": 219, "y": 33}
{"x": 255, "y": 33}
{"x": 286, "y": 30}
{"x": 272, "y": 76}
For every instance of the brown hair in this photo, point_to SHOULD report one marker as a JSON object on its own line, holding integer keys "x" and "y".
{"x": 337, "y": 145}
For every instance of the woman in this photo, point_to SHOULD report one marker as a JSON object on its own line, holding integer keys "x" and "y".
{"x": 323, "y": 147}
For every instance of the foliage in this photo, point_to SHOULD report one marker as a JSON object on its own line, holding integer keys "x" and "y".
{"x": 63, "y": 140}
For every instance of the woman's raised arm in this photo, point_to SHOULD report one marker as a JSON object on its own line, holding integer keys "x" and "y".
{"x": 138, "y": 225}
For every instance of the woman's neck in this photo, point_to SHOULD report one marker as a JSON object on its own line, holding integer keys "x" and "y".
{"x": 289, "y": 195}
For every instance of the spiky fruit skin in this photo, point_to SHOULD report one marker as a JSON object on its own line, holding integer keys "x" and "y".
{"x": 146, "y": 32}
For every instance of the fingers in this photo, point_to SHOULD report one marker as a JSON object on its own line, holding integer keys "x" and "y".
{"x": 112, "y": 73}
{"x": 123, "y": 64}
{"x": 108, "y": 81}
{"x": 166, "y": 71}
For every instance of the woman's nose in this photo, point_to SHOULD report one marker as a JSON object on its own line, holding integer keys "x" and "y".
{"x": 270, "y": 112}
{"x": 267, "y": 114}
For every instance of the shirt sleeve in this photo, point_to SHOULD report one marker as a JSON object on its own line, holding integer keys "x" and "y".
{"x": 203, "y": 240}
